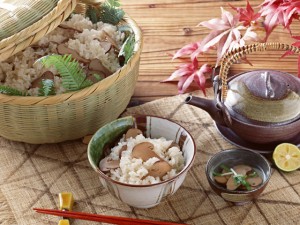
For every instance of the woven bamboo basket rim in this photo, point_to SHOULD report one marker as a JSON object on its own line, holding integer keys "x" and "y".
{"x": 236, "y": 54}
{"x": 88, "y": 91}
{"x": 29, "y": 35}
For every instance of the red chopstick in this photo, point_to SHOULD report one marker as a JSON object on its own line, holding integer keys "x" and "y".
{"x": 103, "y": 218}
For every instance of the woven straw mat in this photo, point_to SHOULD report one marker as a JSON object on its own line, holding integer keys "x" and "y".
{"x": 33, "y": 175}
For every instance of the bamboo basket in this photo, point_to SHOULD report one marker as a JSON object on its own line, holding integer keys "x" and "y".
{"x": 29, "y": 34}
{"x": 71, "y": 115}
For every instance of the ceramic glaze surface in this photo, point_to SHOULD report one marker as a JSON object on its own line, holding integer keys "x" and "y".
{"x": 143, "y": 196}
{"x": 265, "y": 96}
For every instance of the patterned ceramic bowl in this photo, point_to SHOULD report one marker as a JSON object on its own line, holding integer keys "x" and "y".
{"x": 234, "y": 157}
{"x": 141, "y": 196}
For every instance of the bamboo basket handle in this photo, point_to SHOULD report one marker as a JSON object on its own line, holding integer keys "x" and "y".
{"x": 233, "y": 56}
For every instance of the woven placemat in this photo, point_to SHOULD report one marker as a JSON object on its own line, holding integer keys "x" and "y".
{"x": 33, "y": 175}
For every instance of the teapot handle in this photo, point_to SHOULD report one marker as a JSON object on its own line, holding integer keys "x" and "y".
{"x": 236, "y": 54}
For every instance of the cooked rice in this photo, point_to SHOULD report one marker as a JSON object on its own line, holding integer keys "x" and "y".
{"x": 18, "y": 71}
{"x": 133, "y": 170}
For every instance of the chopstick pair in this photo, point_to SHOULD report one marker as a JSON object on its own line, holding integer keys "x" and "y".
{"x": 103, "y": 218}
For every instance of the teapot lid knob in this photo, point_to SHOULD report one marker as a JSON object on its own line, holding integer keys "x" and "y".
{"x": 270, "y": 93}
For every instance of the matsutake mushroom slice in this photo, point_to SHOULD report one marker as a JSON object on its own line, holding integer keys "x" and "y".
{"x": 239, "y": 169}
{"x": 111, "y": 40}
{"x": 64, "y": 26}
{"x": 254, "y": 181}
{"x": 144, "y": 151}
{"x": 107, "y": 163}
{"x": 231, "y": 184}
{"x": 46, "y": 75}
{"x": 227, "y": 176}
{"x": 106, "y": 46}
{"x": 96, "y": 65}
{"x": 242, "y": 169}
{"x": 221, "y": 179}
{"x": 132, "y": 133}
{"x": 123, "y": 148}
{"x": 159, "y": 169}
{"x": 69, "y": 32}
{"x": 64, "y": 50}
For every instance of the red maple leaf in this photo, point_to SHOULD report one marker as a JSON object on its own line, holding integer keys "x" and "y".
{"x": 226, "y": 34}
{"x": 247, "y": 15}
{"x": 189, "y": 72}
{"x": 279, "y": 12}
{"x": 188, "y": 49}
{"x": 296, "y": 44}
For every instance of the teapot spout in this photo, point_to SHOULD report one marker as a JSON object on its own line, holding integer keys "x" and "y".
{"x": 210, "y": 106}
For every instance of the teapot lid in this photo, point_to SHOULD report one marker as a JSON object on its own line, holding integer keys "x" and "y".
{"x": 264, "y": 96}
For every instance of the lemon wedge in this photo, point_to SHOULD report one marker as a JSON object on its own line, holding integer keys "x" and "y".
{"x": 286, "y": 157}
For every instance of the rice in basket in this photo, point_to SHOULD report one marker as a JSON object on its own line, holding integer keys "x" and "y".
{"x": 128, "y": 168}
{"x": 78, "y": 34}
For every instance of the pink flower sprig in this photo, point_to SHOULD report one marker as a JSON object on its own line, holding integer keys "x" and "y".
{"x": 232, "y": 31}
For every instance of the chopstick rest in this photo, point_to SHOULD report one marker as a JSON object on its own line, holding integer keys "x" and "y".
{"x": 66, "y": 202}
{"x": 64, "y": 222}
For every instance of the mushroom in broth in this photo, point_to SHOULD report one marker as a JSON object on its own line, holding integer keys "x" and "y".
{"x": 239, "y": 177}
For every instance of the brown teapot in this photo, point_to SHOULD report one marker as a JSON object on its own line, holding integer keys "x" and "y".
{"x": 260, "y": 106}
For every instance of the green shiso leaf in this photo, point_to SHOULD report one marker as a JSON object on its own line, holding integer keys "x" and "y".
{"x": 47, "y": 88}
{"x": 225, "y": 168}
{"x": 107, "y": 12}
{"x": 113, "y": 3}
{"x": 110, "y": 13}
{"x": 126, "y": 50}
{"x": 11, "y": 91}
{"x": 126, "y": 29}
{"x": 217, "y": 174}
{"x": 73, "y": 77}
{"x": 239, "y": 179}
{"x": 93, "y": 13}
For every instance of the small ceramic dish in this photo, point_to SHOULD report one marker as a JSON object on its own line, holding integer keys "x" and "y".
{"x": 141, "y": 196}
{"x": 234, "y": 157}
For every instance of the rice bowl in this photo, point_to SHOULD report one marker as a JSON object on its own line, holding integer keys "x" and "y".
{"x": 142, "y": 195}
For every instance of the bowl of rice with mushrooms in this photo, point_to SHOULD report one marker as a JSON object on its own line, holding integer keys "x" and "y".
{"x": 141, "y": 160}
